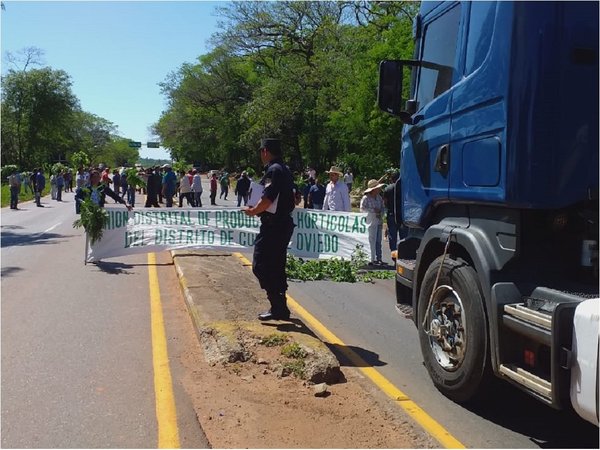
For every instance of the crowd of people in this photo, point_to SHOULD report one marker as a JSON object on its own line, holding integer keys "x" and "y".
{"x": 375, "y": 202}
{"x": 162, "y": 185}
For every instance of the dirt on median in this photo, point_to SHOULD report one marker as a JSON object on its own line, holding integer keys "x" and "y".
{"x": 251, "y": 383}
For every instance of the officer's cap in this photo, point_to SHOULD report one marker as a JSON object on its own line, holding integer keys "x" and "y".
{"x": 272, "y": 145}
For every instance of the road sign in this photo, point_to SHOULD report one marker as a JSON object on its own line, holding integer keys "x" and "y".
{"x": 153, "y": 144}
{"x": 135, "y": 144}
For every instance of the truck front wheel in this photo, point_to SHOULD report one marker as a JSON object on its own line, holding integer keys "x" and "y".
{"x": 452, "y": 329}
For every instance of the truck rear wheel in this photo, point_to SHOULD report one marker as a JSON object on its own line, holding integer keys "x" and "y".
{"x": 453, "y": 339}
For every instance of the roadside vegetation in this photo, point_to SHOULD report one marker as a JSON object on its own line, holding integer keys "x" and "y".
{"x": 43, "y": 122}
{"x": 335, "y": 269}
{"x": 303, "y": 71}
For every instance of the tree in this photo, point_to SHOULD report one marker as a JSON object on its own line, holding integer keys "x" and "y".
{"x": 37, "y": 107}
{"x": 79, "y": 159}
{"x": 302, "y": 71}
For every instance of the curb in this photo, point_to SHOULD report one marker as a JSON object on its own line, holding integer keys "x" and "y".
{"x": 220, "y": 338}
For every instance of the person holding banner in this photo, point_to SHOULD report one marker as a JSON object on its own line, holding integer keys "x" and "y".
{"x": 97, "y": 192}
{"x": 372, "y": 204}
{"x": 270, "y": 246}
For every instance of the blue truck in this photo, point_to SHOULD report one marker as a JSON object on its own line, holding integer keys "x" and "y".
{"x": 498, "y": 191}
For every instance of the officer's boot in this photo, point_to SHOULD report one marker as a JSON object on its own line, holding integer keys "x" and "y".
{"x": 279, "y": 309}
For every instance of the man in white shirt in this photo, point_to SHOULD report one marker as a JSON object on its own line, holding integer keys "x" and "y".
{"x": 197, "y": 188}
{"x": 349, "y": 178}
{"x": 337, "y": 197}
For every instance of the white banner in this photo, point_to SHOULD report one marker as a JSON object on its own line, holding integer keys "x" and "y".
{"x": 318, "y": 234}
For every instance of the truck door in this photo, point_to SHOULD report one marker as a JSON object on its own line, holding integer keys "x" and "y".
{"x": 426, "y": 143}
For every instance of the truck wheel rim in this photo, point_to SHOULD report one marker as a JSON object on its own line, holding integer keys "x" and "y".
{"x": 447, "y": 328}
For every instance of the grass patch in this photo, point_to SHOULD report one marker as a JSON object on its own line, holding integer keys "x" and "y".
{"x": 293, "y": 351}
{"x": 295, "y": 367}
{"x": 274, "y": 340}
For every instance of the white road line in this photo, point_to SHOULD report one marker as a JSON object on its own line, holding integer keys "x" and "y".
{"x": 49, "y": 229}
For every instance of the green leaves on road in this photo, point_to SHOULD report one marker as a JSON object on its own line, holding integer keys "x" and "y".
{"x": 334, "y": 269}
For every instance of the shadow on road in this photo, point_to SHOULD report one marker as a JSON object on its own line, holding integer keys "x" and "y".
{"x": 546, "y": 427}
{"x": 113, "y": 268}
{"x": 8, "y": 271}
{"x": 10, "y": 239}
{"x": 295, "y": 325}
{"x": 347, "y": 356}
{"x": 117, "y": 268}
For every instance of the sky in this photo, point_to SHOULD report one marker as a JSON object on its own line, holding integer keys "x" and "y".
{"x": 116, "y": 52}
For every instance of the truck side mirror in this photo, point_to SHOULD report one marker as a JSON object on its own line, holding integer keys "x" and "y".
{"x": 389, "y": 93}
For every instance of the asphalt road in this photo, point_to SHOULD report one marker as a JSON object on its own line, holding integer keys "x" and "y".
{"x": 364, "y": 318}
{"x": 76, "y": 342}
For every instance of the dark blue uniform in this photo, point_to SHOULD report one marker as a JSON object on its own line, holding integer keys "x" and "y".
{"x": 270, "y": 247}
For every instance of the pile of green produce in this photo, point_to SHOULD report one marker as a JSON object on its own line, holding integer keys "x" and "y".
{"x": 335, "y": 269}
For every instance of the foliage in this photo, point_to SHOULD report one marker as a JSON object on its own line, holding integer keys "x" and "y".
{"x": 133, "y": 179}
{"x": 295, "y": 367}
{"x": 117, "y": 153}
{"x": 150, "y": 162}
{"x": 293, "y": 350}
{"x": 93, "y": 219}
{"x": 334, "y": 269}
{"x": 80, "y": 159}
{"x": 57, "y": 168}
{"x": 181, "y": 166}
{"x": 37, "y": 110}
{"x": 7, "y": 170}
{"x": 274, "y": 340}
{"x": 42, "y": 121}
{"x": 302, "y": 71}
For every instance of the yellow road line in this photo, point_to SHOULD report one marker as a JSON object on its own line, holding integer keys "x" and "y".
{"x": 166, "y": 414}
{"x": 412, "y": 409}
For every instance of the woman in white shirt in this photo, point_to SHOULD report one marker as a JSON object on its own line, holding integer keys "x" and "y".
{"x": 372, "y": 204}
{"x": 185, "y": 190}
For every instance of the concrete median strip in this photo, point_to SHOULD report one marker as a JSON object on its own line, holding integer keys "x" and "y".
{"x": 223, "y": 297}
{"x": 223, "y": 303}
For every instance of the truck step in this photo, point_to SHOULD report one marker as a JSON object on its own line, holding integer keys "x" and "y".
{"x": 404, "y": 310}
{"x": 527, "y": 379}
{"x": 521, "y": 311}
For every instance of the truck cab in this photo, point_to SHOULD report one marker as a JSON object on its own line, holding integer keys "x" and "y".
{"x": 498, "y": 190}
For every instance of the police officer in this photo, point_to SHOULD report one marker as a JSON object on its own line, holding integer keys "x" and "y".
{"x": 270, "y": 247}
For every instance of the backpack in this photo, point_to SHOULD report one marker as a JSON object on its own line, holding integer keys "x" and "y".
{"x": 13, "y": 181}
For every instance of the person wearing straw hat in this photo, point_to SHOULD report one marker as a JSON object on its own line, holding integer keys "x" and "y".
{"x": 276, "y": 228}
{"x": 372, "y": 204}
{"x": 337, "y": 197}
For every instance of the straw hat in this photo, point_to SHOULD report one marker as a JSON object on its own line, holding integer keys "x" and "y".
{"x": 372, "y": 185}
{"x": 335, "y": 169}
